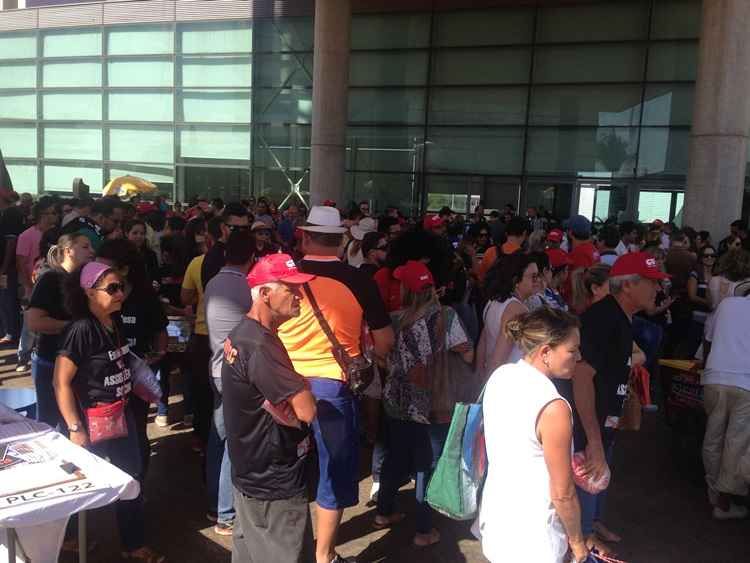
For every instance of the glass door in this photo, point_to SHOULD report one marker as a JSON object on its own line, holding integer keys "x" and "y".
{"x": 554, "y": 197}
{"x": 599, "y": 201}
{"x": 665, "y": 205}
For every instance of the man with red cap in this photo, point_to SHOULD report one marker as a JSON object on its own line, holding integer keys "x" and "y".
{"x": 555, "y": 238}
{"x": 267, "y": 411}
{"x": 600, "y": 381}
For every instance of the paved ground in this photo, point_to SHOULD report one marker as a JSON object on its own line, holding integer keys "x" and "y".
{"x": 657, "y": 505}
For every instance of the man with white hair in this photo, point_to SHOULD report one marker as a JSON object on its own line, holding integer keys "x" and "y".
{"x": 600, "y": 381}
{"x": 267, "y": 411}
{"x": 726, "y": 389}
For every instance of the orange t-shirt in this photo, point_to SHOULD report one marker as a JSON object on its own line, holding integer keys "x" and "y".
{"x": 490, "y": 256}
{"x": 347, "y": 297}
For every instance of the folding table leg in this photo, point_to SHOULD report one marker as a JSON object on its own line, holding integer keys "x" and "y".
{"x": 83, "y": 551}
{"x": 11, "y": 534}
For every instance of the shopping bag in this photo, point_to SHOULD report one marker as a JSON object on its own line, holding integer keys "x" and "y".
{"x": 145, "y": 384}
{"x": 455, "y": 488}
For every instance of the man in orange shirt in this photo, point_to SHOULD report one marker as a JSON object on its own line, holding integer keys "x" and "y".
{"x": 347, "y": 298}
{"x": 515, "y": 232}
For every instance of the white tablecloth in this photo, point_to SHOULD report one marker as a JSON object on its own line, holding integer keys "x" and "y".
{"x": 40, "y": 514}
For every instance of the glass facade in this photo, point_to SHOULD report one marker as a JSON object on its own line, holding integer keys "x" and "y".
{"x": 529, "y": 105}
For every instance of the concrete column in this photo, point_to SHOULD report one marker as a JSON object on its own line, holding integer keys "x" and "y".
{"x": 330, "y": 96}
{"x": 721, "y": 118}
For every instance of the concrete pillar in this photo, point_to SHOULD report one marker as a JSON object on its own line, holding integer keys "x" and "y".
{"x": 721, "y": 118}
{"x": 330, "y": 96}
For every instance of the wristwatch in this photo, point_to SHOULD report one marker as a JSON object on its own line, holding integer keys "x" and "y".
{"x": 75, "y": 427}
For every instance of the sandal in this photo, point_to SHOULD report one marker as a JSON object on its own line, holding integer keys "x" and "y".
{"x": 605, "y": 534}
{"x": 428, "y": 539}
{"x": 383, "y": 522}
{"x": 143, "y": 555}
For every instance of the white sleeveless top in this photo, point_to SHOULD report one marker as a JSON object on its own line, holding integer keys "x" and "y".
{"x": 493, "y": 314}
{"x": 517, "y": 519}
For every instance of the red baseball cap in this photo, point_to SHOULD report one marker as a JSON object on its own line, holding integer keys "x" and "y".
{"x": 276, "y": 268}
{"x": 555, "y": 235}
{"x": 432, "y": 221}
{"x": 558, "y": 258}
{"x": 637, "y": 263}
{"x": 329, "y": 203}
{"x": 658, "y": 223}
{"x": 414, "y": 275}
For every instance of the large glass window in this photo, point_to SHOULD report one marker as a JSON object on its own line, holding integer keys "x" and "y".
{"x": 72, "y": 106}
{"x": 283, "y": 69}
{"x": 585, "y": 105}
{"x": 478, "y": 106}
{"x": 72, "y": 74}
{"x": 18, "y": 45}
{"x": 487, "y": 66}
{"x": 230, "y": 106}
{"x": 654, "y": 205}
{"x": 140, "y": 106}
{"x": 284, "y": 35}
{"x": 385, "y": 149}
{"x": 18, "y": 141}
{"x": 224, "y": 143}
{"x": 217, "y": 37}
{"x": 72, "y": 43}
{"x": 24, "y": 177}
{"x": 59, "y": 178}
{"x": 475, "y": 151}
{"x": 664, "y": 151}
{"x": 140, "y": 40}
{"x": 283, "y": 106}
{"x": 388, "y": 69}
{"x": 72, "y": 142}
{"x": 673, "y": 61}
{"x": 598, "y": 152}
{"x": 483, "y": 27}
{"x": 674, "y": 19}
{"x": 216, "y": 71}
{"x": 134, "y": 73}
{"x": 611, "y": 21}
{"x": 18, "y": 75}
{"x": 17, "y": 105}
{"x": 668, "y": 104}
{"x": 397, "y": 105}
{"x": 390, "y": 31}
{"x": 145, "y": 143}
{"x": 284, "y": 147}
{"x": 589, "y": 63}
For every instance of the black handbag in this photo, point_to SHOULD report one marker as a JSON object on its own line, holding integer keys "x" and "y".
{"x": 359, "y": 371}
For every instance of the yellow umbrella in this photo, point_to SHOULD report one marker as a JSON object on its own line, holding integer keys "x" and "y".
{"x": 126, "y": 186}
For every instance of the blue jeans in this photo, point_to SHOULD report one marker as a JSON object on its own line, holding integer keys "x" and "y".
{"x": 47, "y": 410}
{"x": 10, "y": 311}
{"x": 218, "y": 465}
{"x": 592, "y": 506}
{"x": 414, "y": 449}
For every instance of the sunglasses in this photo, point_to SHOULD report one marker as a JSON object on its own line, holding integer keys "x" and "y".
{"x": 234, "y": 228}
{"x": 112, "y": 288}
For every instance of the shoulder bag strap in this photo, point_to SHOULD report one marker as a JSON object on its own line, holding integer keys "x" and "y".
{"x": 338, "y": 349}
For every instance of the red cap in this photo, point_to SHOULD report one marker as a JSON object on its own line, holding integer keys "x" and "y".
{"x": 414, "y": 275}
{"x": 558, "y": 258}
{"x": 658, "y": 223}
{"x": 637, "y": 263}
{"x": 555, "y": 235}
{"x": 432, "y": 221}
{"x": 329, "y": 203}
{"x": 276, "y": 268}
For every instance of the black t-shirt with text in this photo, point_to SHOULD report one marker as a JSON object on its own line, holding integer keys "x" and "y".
{"x": 268, "y": 458}
{"x": 47, "y": 295}
{"x": 142, "y": 318}
{"x": 101, "y": 356}
{"x": 607, "y": 345}
{"x": 12, "y": 224}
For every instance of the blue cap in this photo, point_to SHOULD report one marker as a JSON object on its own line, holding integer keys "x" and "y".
{"x": 580, "y": 226}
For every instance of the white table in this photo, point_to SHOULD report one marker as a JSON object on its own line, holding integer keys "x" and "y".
{"x": 37, "y": 513}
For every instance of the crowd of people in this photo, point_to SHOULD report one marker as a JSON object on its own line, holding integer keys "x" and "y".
{"x": 315, "y": 333}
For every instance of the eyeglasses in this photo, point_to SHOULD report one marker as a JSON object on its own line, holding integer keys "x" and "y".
{"x": 112, "y": 288}
{"x": 234, "y": 228}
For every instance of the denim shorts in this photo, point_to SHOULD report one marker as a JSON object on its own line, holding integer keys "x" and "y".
{"x": 336, "y": 431}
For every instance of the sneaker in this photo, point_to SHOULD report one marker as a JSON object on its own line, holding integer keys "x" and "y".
{"x": 735, "y": 512}
{"x": 20, "y": 368}
{"x": 212, "y": 516}
{"x": 162, "y": 420}
{"x": 223, "y": 529}
{"x": 187, "y": 420}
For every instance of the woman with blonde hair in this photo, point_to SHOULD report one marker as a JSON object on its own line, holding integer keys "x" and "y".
{"x": 418, "y": 412}
{"x": 530, "y": 511}
{"x": 47, "y": 317}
